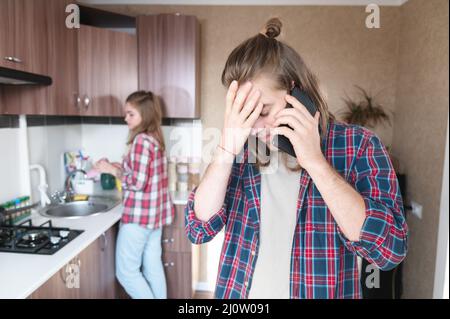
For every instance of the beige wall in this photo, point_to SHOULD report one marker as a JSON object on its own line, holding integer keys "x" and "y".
{"x": 420, "y": 130}
{"x": 333, "y": 41}
{"x": 342, "y": 52}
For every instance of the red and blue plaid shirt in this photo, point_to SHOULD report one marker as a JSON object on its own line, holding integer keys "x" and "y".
{"x": 323, "y": 260}
{"x": 146, "y": 197}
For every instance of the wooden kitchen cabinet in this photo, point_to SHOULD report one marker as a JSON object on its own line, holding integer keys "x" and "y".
{"x": 96, "y": 265}
{"x": 168, "y": 55}
{"x": 24, "y": 46}
{"x": 23, "y": 42}
{"x": 93, "y": 69}
{"x": 177, "y": 258}
{"x": 107, "y": 70}
{"x": 62, "y": 61}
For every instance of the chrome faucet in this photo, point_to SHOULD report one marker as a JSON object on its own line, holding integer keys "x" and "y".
{"x": 68, "y": 185}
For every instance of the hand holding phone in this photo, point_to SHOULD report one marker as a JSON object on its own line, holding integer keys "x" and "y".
{"x": 283, "y": 142}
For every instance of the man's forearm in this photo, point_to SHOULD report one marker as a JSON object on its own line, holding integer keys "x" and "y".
{"x": 211, "y": 191}
{"x": 345, "y": 203}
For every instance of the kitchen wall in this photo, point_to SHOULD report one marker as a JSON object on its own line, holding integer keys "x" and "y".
{"x": 46, "y": 144}
{"x": 11, "y": 185}
{"x": 422, "y": 103}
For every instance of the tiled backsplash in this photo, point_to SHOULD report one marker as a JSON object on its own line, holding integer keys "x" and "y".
{"x": 9, "y": 121}
{"x": 50, "y": 136}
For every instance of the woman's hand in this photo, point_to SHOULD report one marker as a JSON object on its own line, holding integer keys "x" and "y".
{"x": 242, "y": 110}
{"x": 104, "y": 166}
{"x": 304, "y": 134}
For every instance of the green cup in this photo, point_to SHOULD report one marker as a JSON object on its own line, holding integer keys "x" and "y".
{"x": 108, "y": 181}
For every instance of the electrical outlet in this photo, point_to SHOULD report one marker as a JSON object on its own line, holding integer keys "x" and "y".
{"x": 416, "y": 209}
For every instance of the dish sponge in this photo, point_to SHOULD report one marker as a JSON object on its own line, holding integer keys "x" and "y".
{"x": 80, "y": 197}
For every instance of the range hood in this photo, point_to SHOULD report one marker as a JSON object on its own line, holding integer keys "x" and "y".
{"x": 16, "y": 77}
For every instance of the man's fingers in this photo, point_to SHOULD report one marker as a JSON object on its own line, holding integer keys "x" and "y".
{"x": 250, "y": 104}
{"x": 299, "y": 106}
{"x": 231, "y": 94}
{"x": 291, "y": 121}
{"x": 283, "y": 131}
{"x": 241, "y": 96}
{"x": 254, "y": 115}
{"x": 299, "y": 116}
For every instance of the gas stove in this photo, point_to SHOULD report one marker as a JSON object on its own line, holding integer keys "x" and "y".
{"x": 43, "y": 239}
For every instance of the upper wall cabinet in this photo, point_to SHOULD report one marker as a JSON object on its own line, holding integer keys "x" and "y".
{"x": 23, "y": 44}
{"x": 107, "y": 70}
{"x": 93, "y": 69}
{"x": 168, "y": 55}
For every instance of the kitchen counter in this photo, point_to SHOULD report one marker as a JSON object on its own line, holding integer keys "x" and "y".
{"x": 179, "y": 198}
{"x": 21, "y": 274}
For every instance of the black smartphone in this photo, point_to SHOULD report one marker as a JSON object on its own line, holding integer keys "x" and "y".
{"x": 283, "y": 142}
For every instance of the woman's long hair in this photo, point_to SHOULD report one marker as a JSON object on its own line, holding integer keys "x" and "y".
{"x": 148, "y": 106}
{"x": 262, "y": 54}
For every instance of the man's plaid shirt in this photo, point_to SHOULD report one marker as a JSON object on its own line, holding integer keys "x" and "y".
{"x": 323, "y": 260}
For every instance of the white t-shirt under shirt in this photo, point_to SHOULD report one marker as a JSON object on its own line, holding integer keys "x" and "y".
{"x": 278, "y": 217}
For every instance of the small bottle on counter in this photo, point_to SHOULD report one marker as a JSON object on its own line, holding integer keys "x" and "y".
{"x": 194, "y": 173}
{"x": 172, "y": 174}
{"x": 182, "y": 174}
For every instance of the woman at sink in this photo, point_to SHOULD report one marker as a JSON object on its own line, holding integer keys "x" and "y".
{"x": 146, "y": 199}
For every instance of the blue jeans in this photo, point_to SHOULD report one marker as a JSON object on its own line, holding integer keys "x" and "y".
{"x": 139, "y": 266}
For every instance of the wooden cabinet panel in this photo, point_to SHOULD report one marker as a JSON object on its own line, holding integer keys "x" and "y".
{"x": 56, "y": 287}
{"x": 179, "y": 220}
{"x": 6, "y": 35}
{"x": 29, "y": 30}
{"x": 175, "y": 240}
{"x": 109, "y": 286}
{"x": 24, "y": 38}
{"x": 62, "y": 61}
{"x": 107, "y": 65}
{"x": 124, "y": 69}
{"x": 23, "y": 41}
{"x": 94, "y": 70}
{"x": 178, "y": 270}
{"x": 169, "y": 62}
{"x": 96, "y": 265}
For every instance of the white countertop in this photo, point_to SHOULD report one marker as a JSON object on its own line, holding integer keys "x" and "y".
{"x": 21, "y": 274}
{"x": 179, "y": 198}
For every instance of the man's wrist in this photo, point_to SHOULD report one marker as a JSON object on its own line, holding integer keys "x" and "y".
{"x": 318, "y": 167}
{"x": 223, "y": 156}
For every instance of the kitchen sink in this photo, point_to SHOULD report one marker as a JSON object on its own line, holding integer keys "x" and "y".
{"x": 77, "y": 209}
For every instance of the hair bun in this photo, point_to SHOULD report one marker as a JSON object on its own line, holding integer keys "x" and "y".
{"x": 273, "y": 28}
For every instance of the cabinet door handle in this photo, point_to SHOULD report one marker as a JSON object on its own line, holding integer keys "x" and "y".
{"x": 168, "y": 240}
{"x": 170, "y": 264}
{"x": 86, "y": 101}
{"x": 77, "y": 101}
{"x": 105, "y": 242}
{"x": 12, "y": 59}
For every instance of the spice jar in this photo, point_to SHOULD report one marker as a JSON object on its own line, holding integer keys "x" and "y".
{"x": 182, "y": 174}
{"x": 194, "y": 173}
{"x": 172, "y": 174}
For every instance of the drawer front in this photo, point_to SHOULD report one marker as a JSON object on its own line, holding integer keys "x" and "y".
{"x": 175, "y": 240}
{"x": 178, "y": 271}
